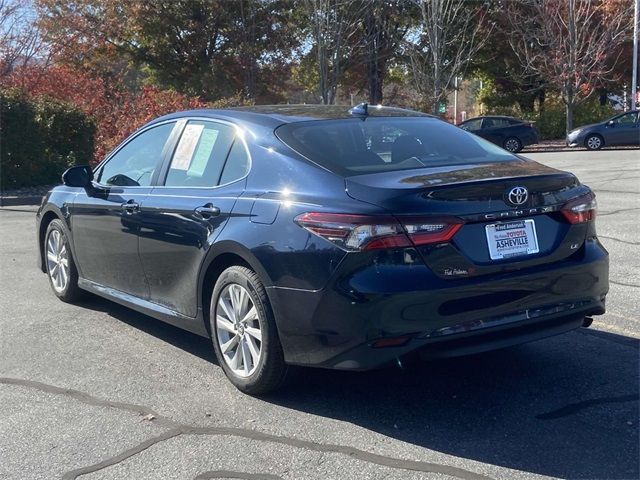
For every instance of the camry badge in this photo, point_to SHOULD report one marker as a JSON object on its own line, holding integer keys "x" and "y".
{"x": 518, "y": 195}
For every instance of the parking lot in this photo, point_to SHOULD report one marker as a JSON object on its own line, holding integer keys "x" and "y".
{"x": 95, "y": 391}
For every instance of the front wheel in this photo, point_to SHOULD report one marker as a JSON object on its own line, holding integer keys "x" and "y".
{"x": 61, "y": 269}
{"x": 593, "y": 142}
{"x": 244, "y": 334}
{"x": 513, "y": 144}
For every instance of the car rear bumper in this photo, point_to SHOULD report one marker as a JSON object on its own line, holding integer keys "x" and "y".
{"x": 338, "y": 327}
{"x": 530, "y": 138}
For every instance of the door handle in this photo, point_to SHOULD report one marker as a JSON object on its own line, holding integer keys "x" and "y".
{"x": 130, "y": 207}
{"x": 207, "y": 211}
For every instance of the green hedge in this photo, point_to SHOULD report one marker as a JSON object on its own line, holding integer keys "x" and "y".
{"x": 39, "y": 139}
{"x": 551, "y": 121}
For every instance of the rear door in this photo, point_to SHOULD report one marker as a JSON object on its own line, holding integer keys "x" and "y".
{"x": 493, "y": 129}
{"x": 184, "y": 214}
{"x": 105, "y": 218}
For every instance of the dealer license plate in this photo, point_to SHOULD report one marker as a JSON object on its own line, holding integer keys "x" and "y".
{"x": 512, "y": 239}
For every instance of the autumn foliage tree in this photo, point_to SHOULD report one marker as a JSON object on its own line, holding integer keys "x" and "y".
{"x": 115, "y": 111}
{"x": 572, "y": 44}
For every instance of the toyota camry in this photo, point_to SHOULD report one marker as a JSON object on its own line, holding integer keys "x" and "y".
{"x": 327, "y": 237}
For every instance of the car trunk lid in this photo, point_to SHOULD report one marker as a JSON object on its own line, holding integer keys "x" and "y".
{"x": 478, "y": 194}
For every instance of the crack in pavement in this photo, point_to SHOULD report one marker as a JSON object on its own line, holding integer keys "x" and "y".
{"x": 178, "y": 429}
{"x": 624, "y": 284}
{"x": 576, "y": 407}
{"x": 619, "y": 240}
{"x": 241, "y": 475}
{"x": 613, "y": 212}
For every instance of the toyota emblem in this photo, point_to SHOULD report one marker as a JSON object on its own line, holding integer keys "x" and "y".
{"x": 518, "y": 195}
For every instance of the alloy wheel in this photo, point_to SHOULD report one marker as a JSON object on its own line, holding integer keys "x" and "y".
{"x": 57, "y": 261}
{"x": 238, "y": 330}
{"x": 594, "y": 142}
{"x": 513, "y": 145}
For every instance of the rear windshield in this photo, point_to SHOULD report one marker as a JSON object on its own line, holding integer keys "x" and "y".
{"x": 357, "y": 146}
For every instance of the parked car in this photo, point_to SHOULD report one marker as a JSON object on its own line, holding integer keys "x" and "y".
{"x": 327, "y": 237}
{"x": 622, "y": 129}
{"x": 507, "y": 132}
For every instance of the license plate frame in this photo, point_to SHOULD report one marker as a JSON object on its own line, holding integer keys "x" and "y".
{"x": 512, "y": 239}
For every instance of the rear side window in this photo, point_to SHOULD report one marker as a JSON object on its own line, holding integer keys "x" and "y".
{"x": 237, "y": 165}
{"x": 374, "y": 144}
{"x": 496, "y": 122}
{"x": 200, "y": 155}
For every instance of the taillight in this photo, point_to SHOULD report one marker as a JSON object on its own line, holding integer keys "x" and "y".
{"x": 582, "y": 209}
{"x": 423, "y": 231}
{"x": 368, "y": 232}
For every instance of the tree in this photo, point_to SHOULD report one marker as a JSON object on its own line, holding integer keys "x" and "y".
{"x": 20, "y": 39}
{"x": 335, "y": 25}
{"x": 207, "y": 48}
{"x": 385, "y": 25}
{"x": 445, "y": 42}
{"x": 572, "y": 44}
{"x": 504, "y": 89}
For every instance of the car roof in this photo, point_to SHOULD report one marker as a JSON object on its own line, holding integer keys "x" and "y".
{"x": 275, "y": 115}
{"x": 506, "y": 117}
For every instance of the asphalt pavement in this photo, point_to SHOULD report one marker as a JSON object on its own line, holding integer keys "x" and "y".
{"x": 96, "y": 391}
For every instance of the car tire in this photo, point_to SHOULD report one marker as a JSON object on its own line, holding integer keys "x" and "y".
{"x": 594, "y": 142}
{"x": 60, "y": 265}
{"x": 247, "y": 345}
{"x": 512, "y": 144}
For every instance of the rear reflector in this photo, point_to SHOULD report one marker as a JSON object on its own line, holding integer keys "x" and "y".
{"x": 390, "y": 342}
{"x": 368, "y": 232}
{"x": 582, "y": 209}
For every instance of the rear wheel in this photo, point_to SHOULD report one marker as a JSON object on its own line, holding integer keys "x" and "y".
{"x": 594, "y": 142}
{"x": 61, "y": 269}
{"x": 244, "y": 334}
{"x": 513, "y": 144}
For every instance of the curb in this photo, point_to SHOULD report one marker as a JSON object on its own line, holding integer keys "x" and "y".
{"x": 17, "y": 201}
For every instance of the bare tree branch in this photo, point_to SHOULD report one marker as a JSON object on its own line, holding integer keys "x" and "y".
{"x": 334, "y": 23}
{"x": 572, "y": 44}
{"x": 20, "y": 38}
{"x": 447, "y": 39}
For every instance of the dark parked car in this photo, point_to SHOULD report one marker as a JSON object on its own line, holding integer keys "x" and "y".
{"x": 507, "y": 132}
{"x": 318, "y": 236}
{"x": 622, "y": 129}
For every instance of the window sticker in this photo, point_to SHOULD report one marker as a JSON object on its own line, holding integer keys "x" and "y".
{"x": 186, "y": 147}
{"x": 201, "y": 158}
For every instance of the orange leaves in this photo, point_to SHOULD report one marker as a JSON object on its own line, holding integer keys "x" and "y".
{"x": 116, "y": 111}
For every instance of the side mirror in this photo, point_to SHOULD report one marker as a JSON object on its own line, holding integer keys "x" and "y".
{"x": 80, "y": 176}
{"x": 611, "y": 123}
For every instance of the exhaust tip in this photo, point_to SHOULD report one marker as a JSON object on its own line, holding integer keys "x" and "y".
{"x": 587, "y": 322}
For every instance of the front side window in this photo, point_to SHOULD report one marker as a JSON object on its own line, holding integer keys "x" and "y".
{"x": 133, "y": 165}
{"x": 627, "y": 119}
{"x": 472, "y": 125}
{"x": 200, "y": 155}
{"x": 376, "y": 144}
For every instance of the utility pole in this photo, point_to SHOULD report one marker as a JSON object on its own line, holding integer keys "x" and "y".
{"x": 455, "y": 100}
{"x": 634, "y": 79}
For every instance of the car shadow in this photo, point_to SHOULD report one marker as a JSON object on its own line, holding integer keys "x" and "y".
{"x": 189, "y": 342}
{"x": 563, "y": 407}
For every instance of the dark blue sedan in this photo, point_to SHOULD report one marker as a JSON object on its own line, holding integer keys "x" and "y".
{"x": 620, "y": 130}
{"x": 328, "y": 237}
{"x": 509, "y": 133}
